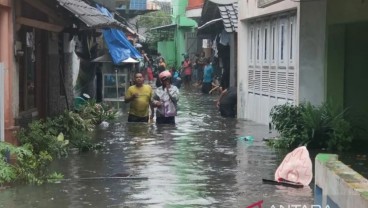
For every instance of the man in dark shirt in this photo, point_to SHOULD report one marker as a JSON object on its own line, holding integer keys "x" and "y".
{"x": 227, "y": 102}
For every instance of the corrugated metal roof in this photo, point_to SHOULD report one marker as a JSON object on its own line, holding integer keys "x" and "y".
{"x": 229, "y": 15}
{"x": 91, "y": 16}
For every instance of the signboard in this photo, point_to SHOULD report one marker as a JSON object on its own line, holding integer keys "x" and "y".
{"x": 265, "y": 3}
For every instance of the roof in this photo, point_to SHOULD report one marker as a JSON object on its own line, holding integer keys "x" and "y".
{"x": 229, "y": 15}
{"x": 90, "y": 16}
{"x": 224, "y": 1}
{"x": 212, "y": 13}
{"x": 165, "y": 27}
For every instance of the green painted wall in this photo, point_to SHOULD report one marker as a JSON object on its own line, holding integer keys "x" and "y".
{"x": 347, "y": 59}
{"x": 356, "y": 69}
{"x": 167, "y": 50}
{"x": 345, "y": 11}
{"x": 179, "y": 7}
{"x": 336, "y": 65}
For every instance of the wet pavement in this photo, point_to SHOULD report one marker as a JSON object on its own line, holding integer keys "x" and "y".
{"x": 200, "y": 162}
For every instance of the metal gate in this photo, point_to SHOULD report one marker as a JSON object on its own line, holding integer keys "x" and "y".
{"x": 191, "y": 43}
{"x": 2, "y": 97}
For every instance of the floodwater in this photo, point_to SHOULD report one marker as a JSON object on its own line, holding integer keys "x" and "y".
{"x": 200, "y": 162}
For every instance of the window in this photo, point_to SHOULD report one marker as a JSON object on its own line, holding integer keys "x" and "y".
{"x": 114, "y": 86}
{"x": 265, "y": 45}
{"x": 258, "y": 47}
{"x": 282, "y": 42}
{"x": 273, "y": 43}
{"x": 251, "y": 45}
{"x": 27, "y": 72}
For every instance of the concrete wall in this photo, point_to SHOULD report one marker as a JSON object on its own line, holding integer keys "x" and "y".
{"x": 167, "y": 50}
{"x": 312, "y": 51}
{"x": 249, "y": 9}
{"x": 337, "y": 185}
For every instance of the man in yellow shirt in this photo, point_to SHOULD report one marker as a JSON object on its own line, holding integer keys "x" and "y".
{"x": 139, "y": 96}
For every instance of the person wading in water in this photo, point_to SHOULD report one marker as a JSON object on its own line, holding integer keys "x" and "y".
{"x": 139, "y": 96}
{"x": 165, "y": 98}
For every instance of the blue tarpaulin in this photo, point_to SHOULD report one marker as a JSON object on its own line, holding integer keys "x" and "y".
{"x": 119, "y": 46}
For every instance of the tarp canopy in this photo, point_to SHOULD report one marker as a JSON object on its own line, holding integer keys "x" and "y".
{"x": 119, "y": 46}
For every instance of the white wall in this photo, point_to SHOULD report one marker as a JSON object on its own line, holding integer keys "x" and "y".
{"x": 249, "y": 9}
{"x": 242, "y": 72}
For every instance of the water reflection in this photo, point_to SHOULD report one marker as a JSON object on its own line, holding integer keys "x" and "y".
{"x": 200, "y": 162}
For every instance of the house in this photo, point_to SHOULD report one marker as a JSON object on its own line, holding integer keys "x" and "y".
{"x": 193, "y": 42}
{"x": 173, "y": 44}
{"x": 38, "y": 56}
{"x": 218, "y": 25}
{"x": 295, "y": 51}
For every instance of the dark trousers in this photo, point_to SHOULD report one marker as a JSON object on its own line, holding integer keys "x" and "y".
{"x": 165, "y": 120}
{"x": 133, "y": 118}
{"x": 206, "y": 87}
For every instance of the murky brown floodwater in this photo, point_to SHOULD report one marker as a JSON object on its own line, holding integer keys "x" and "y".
{"x": 198, "y": 163}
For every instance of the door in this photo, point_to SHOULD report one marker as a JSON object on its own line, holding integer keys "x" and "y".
{"x": 272, "y": 72}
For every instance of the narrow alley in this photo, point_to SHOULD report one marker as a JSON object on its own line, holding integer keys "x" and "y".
{"x": 200, "y": 162}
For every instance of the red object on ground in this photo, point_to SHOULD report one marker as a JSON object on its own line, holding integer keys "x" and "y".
{"x": 257, "y": 204}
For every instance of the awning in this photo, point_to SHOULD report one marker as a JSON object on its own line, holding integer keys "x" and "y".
{"x": 209, "y": 23}
{"x": 214, "y": 14}
{"x": 165, "y": 27}
{"x": 106, "y": 58}
{"x": 229, "y": 15}
{"x": 90, "y": 16}
{"x": 224, "y": 1}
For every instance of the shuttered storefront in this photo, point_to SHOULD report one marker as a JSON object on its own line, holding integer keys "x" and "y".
{"x": 272, "y": 68}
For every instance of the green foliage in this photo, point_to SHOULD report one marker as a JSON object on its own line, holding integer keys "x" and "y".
{"x": 97, "y": 113}
{"x": 74, "y": 128}
{"x": 44, "y": 140}
{"x": 287, "y": 119}
{"x": 151, "y": 20}
{"x": 34, "y": 168}
{"x": 42, "y": 137}
{"x": 321, "y": 126}
{"x": 8, "y": 172}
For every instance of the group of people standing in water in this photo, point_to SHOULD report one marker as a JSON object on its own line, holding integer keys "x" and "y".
{"x": 142, "y": 98}
{"x": 164, "y": 98}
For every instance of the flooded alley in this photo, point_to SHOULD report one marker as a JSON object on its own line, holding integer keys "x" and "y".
{"x": 200, "y": 162}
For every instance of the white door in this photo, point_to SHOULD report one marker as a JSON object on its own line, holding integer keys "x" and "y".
{"x": 2, "y": 97}
{"x": 272, "y": 72}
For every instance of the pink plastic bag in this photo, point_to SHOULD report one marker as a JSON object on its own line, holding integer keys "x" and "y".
{"x": 296, "y": 167}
